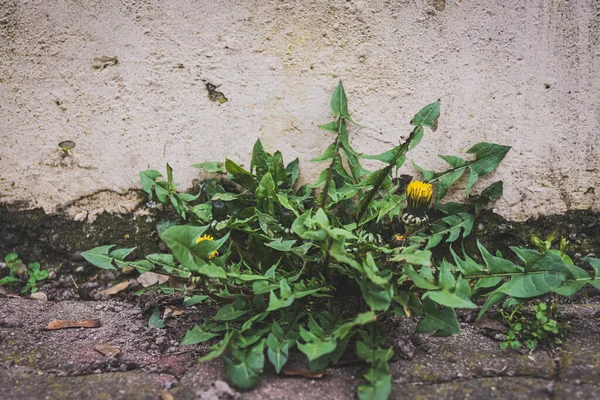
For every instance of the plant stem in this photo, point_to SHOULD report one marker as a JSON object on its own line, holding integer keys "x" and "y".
{"x": 402, "y": 149}
{"x": 325, "y": 192}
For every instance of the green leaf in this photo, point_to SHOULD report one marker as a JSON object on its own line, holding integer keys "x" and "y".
{"x": 449, "y": 299}
{"x": 327, "y": 155}
{"x": 428, "y": 116}
{"x": 277, "y": 347}
{"x": 417, "y": 137}
{"x": 442, "y": 320}
{"x": 218, "y": 349}
{"x": 277, "y": 170}
{"x": 265, "y": 193}
{"x": 148, "y": 179}
{"x": 293, "y": 171}
{"x": 285, "y": 202}
{"x": 216, "y": 167}
{"x": 10, "y": 257}
{"x": 197, "y": 335}
{"x": 414, "y": 256}
{"x": 240, "y": 175}
{"x": 268, "y": 224}
{"x": 316, "y": 347}
{"x": 360, "y": 320}
{"x": 276, "y": 303}
{"x": 210, "y": 270}
{"x": 120, "y": 254}
{"x": 225, "y": 196}
{"x": 245, "y": 374}
{"x": 205, "y": 248}
{"x": 281, "y": 245}
{"x": 261, "y": 161}
{"x": 380, "y": 385}
{"x": 229, "y": 313}
{"x": 99, "y": 257}
{"x": 452, "y": 226}
{"x": 155, "y": 320}
{"x": 339, "y": 102}
{"x": 497, "y": 265}
{"x": 7, "y": 280}
{"x": 180, "y": 239}
{"x": 423, "y": 279}
{"x": 193, "y": 300}
{"x": 377, "y": 297}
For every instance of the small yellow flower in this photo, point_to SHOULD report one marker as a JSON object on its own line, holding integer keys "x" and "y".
{"x": 418, "y": 197}
{"x": 208, "y": 237}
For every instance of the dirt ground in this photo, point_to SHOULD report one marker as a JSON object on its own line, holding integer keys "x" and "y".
{"x": 150, "y": 364}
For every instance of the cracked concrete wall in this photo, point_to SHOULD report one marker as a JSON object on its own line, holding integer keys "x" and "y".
{"x": 125, "y": 81}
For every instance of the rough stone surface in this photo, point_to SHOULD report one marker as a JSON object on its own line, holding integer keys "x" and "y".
{"x": 93, "y": 92}
{"x": 36, "y": 364}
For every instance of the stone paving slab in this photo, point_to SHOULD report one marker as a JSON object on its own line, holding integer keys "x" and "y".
{"x": 37, "y": 364}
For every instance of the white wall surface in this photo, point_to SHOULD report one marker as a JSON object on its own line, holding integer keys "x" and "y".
{"x": 523, "y": 73}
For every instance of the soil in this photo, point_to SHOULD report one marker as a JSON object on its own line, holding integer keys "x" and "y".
{"x": 57, "y": 364}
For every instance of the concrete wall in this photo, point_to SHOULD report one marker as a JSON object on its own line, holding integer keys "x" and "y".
{"x": 521, "y": 73}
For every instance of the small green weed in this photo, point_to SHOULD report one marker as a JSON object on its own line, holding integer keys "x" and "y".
{"x": 19, "y": 273}
{"x": 532, "y": 330}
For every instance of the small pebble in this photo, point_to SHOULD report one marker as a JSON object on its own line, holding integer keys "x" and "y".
{"x": 123, "y": 367}
{"x": 160, "y": 340}
{"x": 41, "y": 296}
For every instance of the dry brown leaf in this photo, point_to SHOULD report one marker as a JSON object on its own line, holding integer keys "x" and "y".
{"x": 64, "y": 324}
{"x": 150, "y": 278}
{"x": 166, "y": 395}
{"x": 107, "y": 349}
{"x": 119, "y": 287}
{"x": 7, "y": 294}
{"x": 492, "y": 325}
{"x": 171, "y": 312}
{"x": 302, "y": 372}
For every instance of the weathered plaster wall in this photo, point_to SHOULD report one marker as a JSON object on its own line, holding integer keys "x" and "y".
{"x": 522, "y": 73}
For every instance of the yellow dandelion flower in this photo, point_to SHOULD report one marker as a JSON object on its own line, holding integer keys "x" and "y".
{"x": 208, "y": 237}
{"x": 418, "y": 197}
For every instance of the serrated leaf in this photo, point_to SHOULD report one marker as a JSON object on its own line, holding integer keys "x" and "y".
{"x": 196, "y": 335}
{"x": 218, "y": 349}
{"x": 229, "y": 313}
{"x": 245, "y": 374}
{"x": 276, "y": 303}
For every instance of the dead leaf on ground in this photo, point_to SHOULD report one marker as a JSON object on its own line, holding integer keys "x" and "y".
{"x": 5, "y": 293}
{"x": 166, "y": 395}
{"x": 150, "y": 278}
{"x": 171, "y": 312}
{"x": 107, "y": 349}
{"x": 64, "y": 324}
{"x": 302, "y": 372}
{"x": 119, "y": 287}
{"x": 492, "y": 325}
